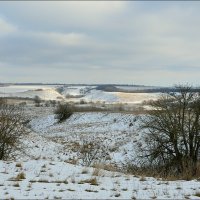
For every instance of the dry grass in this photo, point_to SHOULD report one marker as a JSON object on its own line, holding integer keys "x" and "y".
{"x": 71, "y": 190}
{"x": 20, "y": 176}
{"x": 92, "y": 181}
{"x": 16, "y": 184}
{"x": 187, "y": 174}
{"x": 85, "y": 171}
{"x": 117, "y": 195}
{"x": 96, "y": 172}
{"x": 18, "y": 165}
{"x": 72, "y": 161}
{"x": 197, "y": 194}
{"x": 43, "y": 181}
{"x": 89, "y": 190}
{"x": 104, "y": 166}
{"x": 142, "y": 178}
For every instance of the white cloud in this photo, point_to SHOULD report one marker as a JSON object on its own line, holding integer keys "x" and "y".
{"x": 64, "y": 14}
{"x": 61, "y": 39}
{"x": 6, "y": 28}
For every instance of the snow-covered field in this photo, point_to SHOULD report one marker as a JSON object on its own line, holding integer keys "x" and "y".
{"x": 52, "y": 167}
{"x": 23, "y": 88}
{"x": 42, "y": 179}
{"x": 45, "y": 92}
{"x": 74, "y": 94}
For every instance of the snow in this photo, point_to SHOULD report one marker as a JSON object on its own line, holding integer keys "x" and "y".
{"x": 45, "y": 94}
{"x": 52, "y": 165}
{"x": 113, "y": 128}
{"x": 59, "y": 180}
{"x": 118, "y": 97}
{"x": 136, "y": 98}
{"x": 74, "y": 93}
{"x": 101, "y": 96}
{"x": 23, "y": 88}
{"x": 76, "y": 90}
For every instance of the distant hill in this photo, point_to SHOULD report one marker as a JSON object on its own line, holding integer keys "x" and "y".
{"x": 139, "y": 89}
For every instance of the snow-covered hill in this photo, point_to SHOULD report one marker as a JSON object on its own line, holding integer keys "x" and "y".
{"x": 45, "y": 94}
{"x": 74, "y": 94}
{"x": 115, "y": 129}
{"x": 75, "y": 91}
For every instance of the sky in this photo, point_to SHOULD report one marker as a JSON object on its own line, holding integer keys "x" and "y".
{"x": 121, "y": 42}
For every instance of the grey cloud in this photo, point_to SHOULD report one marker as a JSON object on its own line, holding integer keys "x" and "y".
{"x": 127, "y": 39}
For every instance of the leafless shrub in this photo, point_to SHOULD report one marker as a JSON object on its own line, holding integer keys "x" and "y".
{"x": 3, "y": 101}
{"x": 63, "y": 112}
{"x": 94, "y": 151}
{"x": 47, "y": 103}
{"x": 82, "y": 101}
{"x": 12, "y": 129}
{"x": 52, "y": 103}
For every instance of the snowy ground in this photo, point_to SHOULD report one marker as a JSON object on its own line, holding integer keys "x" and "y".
{"x": 41, "y": 179}
{"x": 45, "y": 170}
{"x": 115, "y": 130}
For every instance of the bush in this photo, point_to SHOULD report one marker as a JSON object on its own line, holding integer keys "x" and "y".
{"x": 92, "y": 152}
{"x": 12, "y": 129}
{"x": 63, "y": 112}
{"x": 83, "y": 102}
{"x": 53, "y": 103}
{"x": 37, "y": 101}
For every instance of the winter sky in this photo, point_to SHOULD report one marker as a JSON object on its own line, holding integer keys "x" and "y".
{"x": 130, "y": 42}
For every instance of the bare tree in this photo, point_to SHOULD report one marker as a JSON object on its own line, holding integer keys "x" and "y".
{"x": 12, "y": 129}
{"x": 172, "y": 126}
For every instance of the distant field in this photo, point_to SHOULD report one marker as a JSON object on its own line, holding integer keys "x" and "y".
{"x": 136, "y": 97}
{"x": 77, "y": 93}
{"x": 135, "y": 88}
{"x": 22, "y": 88}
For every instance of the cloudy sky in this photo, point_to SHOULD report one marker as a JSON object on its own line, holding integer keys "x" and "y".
{"x": 130, "y": 42}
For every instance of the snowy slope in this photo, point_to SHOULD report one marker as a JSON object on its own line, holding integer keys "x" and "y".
{"x": 75, "y": 90}
{"x": 45, "y": 94}
{"x": 117, "y": 130}
{"x": 118, "y": 97}
{"x": 101, "y": 96}
{"x": 24, "y": 88}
